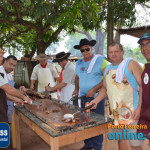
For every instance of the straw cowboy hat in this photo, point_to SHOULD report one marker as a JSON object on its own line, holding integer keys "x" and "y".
{"x": 85, "y": 42}
{"x": 41, "y": 57}
{"x": 1, "y": 51}
{"x": 61, "y": 56}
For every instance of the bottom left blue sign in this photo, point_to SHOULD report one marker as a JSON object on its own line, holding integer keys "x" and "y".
{"x": 4, "y": 135}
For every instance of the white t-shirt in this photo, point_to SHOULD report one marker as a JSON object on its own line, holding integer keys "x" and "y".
{"x": 2, "y": 81}
{"x": 69, "y": 73}
{"x": 7, "y": 76}
{"x": 69, "y": 78}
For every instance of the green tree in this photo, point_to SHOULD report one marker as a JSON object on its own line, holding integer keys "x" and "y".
{"x": 135, "y": 54}
{"x": 35, "y": 24}
{"x": 112, "y": 13}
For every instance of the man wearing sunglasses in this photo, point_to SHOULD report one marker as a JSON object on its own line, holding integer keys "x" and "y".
{"x": 144, "y": 42}
{"x": 88, "y": 81}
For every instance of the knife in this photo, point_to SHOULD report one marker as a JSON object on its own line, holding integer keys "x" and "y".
{"x": 76, "y": 98}
{"x": 31, "y": 103}
{"x": 47, "y": 92}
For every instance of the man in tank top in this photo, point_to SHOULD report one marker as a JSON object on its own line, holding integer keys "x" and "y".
{"x": 121, "y": 79}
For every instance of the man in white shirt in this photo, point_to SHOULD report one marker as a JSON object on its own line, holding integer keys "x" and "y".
{"x": 67, "y": 77}
{"x": 11, "y": 93}
{"x": 45, "y": 73}
{"x": 5, "y": 70}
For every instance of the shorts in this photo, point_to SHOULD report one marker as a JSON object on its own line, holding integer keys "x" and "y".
{"x": 133, "y": 142}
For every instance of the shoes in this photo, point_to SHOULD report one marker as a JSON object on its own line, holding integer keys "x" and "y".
{"x": 87, "y": 148}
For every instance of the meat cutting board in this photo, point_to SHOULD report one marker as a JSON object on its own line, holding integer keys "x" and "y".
{"x": 52, "y": 112}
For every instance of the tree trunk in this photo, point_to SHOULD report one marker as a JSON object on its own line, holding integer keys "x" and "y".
{"x": 100, "y": 36}
{"x": 41, "y": 48}
{"x": 117, "y": 35}
{"x": 110, "y": 25}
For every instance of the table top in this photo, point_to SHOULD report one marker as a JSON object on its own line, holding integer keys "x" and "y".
{"x": 98, "y": 118}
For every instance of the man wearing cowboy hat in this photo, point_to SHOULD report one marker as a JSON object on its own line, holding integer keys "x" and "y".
{"x": 45, "y": 73}
{"x": 67, "y": 77}
{"x": 89, "y": 80}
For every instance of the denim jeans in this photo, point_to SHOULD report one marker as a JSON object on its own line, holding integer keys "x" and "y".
{"x": 97, "y": 141}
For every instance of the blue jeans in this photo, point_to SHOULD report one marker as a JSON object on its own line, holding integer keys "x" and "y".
{"x": 97, "y": 141}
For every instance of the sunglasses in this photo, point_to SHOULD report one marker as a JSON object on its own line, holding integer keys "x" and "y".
{"x": 86, "y": 49}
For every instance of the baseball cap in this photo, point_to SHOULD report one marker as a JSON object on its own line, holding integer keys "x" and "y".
{"x": 144, "y": 36}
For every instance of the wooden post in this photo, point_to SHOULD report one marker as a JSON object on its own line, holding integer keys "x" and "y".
{"x": 13, "y": 130}
{"x": 54, "y": 144}
{"x": 17, "y": 127}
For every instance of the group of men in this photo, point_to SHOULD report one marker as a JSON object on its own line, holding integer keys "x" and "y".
{"x": 121, "y": 81}
{"x": 127, "y": 87}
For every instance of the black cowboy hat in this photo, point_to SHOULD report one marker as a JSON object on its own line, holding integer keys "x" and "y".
{"x": 61, "y": 56}
{"x": 85, "y": 42}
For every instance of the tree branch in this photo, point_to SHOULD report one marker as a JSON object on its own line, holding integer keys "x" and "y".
{"x": 103, "y": 4}
{"x": 84, "y": 32}
{"x": 13, "y": 36}
{"x": 46, "y": 29}
{"x": 2, "y": 9}
{"x": 145, "y": 5}
{"x": 21, "y": 22}
{"x": 15, "y": 4}
{"x": 54, "y": 36}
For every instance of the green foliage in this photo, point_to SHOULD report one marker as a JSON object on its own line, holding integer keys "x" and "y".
{"x": 36, "y": 24}
{"x": 135, "y": 54}
{"x": 42, "y": 21}
{"x": 123, "y": 11}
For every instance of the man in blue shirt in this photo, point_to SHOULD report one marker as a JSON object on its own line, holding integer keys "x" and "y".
{"x": 89, "y": 80}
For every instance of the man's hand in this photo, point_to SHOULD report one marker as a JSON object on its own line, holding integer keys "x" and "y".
{"x": 91, "y": 93}
{"x": 18, "y": 101}
{"x": 22, "y": 89}
{"x": 26, "y": 100}
{"x": 32, "y": 86}
{"x": 48, "y": 88}
{"x": 93, "y": 102}
{"x": 75, "y": 92}
{"x": 136, "y": 114}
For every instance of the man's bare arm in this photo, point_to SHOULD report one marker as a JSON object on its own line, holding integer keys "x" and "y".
{"x": 56, "y": 87}
{"x": 101, "y": 95}
{"x": 136, "y": 70}
{"x": 76, "y": 91}
{"x": 32, "y": 84}
{"x": 13, "y": 92}
{"x": 95, "y": 89}
{"x": 14, "y": 99}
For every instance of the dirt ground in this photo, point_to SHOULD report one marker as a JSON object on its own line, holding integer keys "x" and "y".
{"x": 31, "y": 141}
